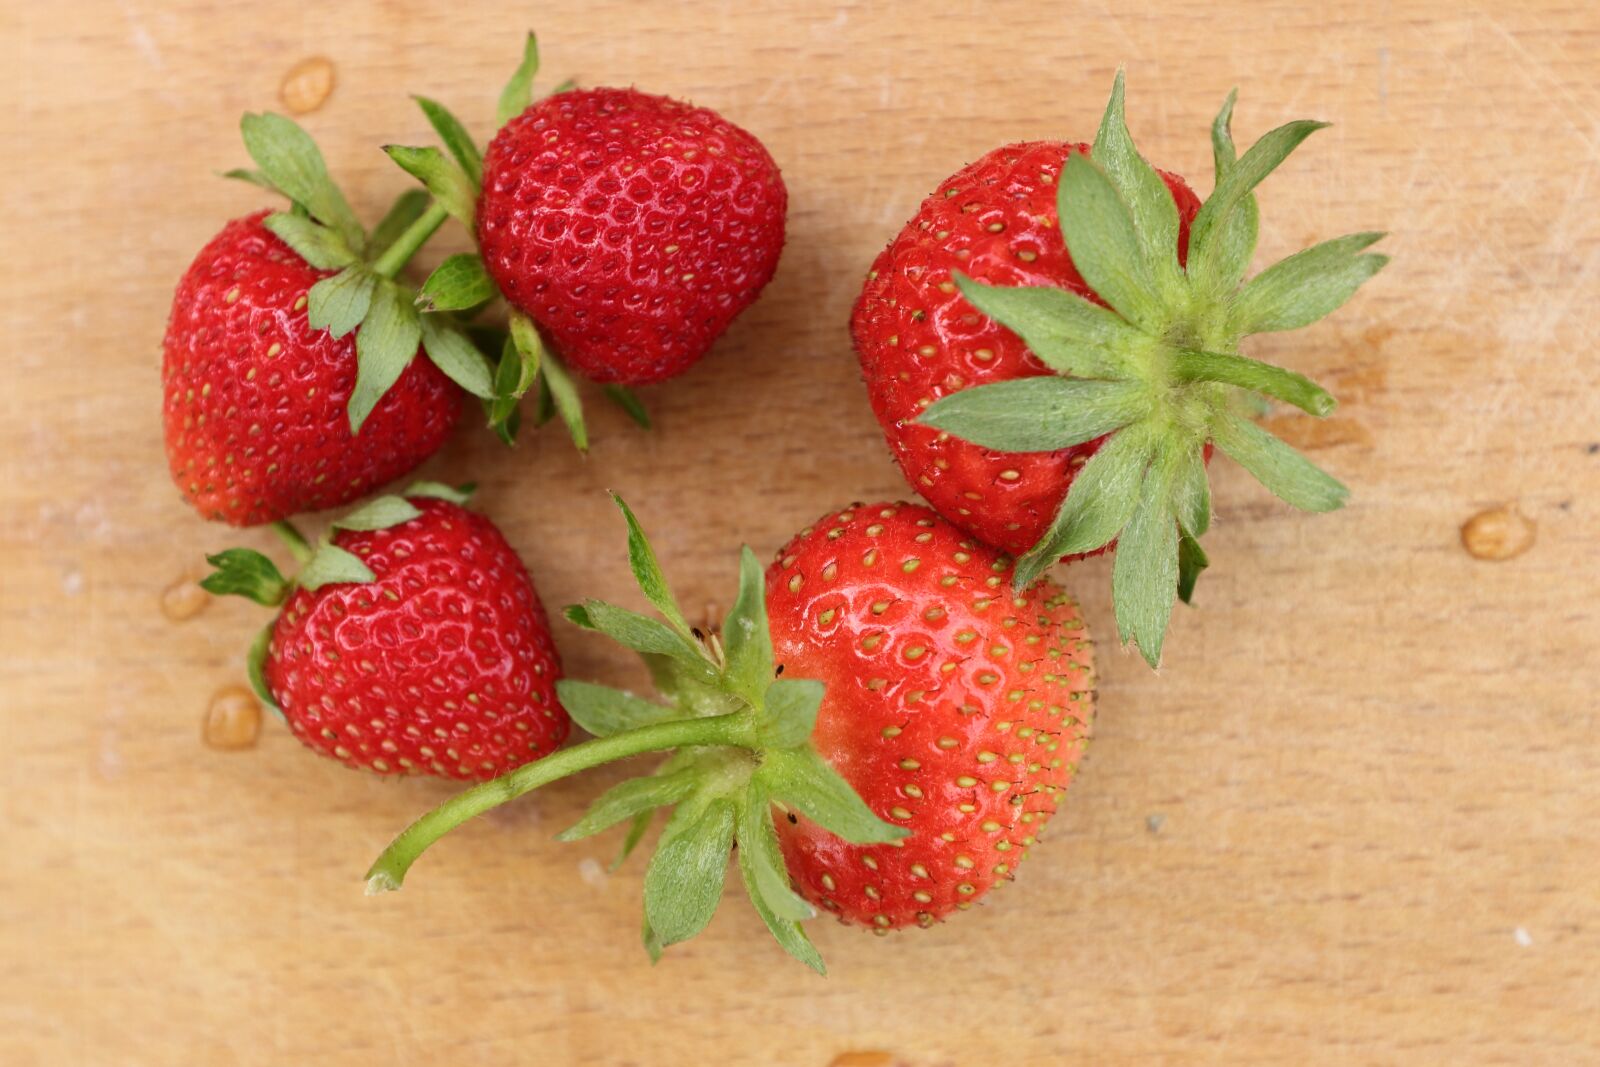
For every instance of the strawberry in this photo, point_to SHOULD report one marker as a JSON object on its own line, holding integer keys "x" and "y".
{"x": 289, "y": 369}
{"x": 957, "y": 707}
{"x": 411, "y": 641}
{"x": 1051, "y": 347}
{"x": 625, "y": 231}
{"x": 912, "y": 718}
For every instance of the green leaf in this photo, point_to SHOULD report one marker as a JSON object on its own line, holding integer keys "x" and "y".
{"x": 652, "y": 943}
{"x": 1038, "y": 414}
{"x": 1155, "y": 215}
{"x": 1285, "y": 472}
{"x": 456, "y": 356}
{"x": 1209, "y": 236}
{"x": 544, "y": 407}
{"x": 1099, "y": 503}
{"x": 385, "y": 346}
{"x": 1191, "y": 561}
{"x": 311, "y": 241}
{"x": 379, "y": 513}
{"x": 791, "y": 711}
{"x": 758, "y": 843}
{"x": 447, "y": 182}
{"x": 565, "y": 395}
{"x": 253, "y": 177}
{"x": 518, "y": 93}
{"x": 1236, "y": 241}
{"x": 1069, "y": 334}
{"x": 647, "y": 572}
{"x": 518, "y": 369}
{"x": 640, "y": 633}
{"x": 406, "y": 209}
{"x": 802, "y": 779}
{"x": 762, "y": 882}
{"x": 1194, "y": 365}
{"x": 604, "y": 711}
{"x": 1191, "y": 490}
{"x": 459, "y": 282}
{"x": 338, "y": 304}
{"x": 630, "y": 841}
{"x": 628, "y": 401}
{"x": 1297, "y": 291}
{"x": 455, "y": 138}
{"x": 332, "y": 565}
{"x": 291, "y": 160}
{"x": 255, "y": 668}
{"x": 683, "y": 884}
{"x": 1144, "y": 574}
{"x": 247, "y": 573}
{"x": 636, "y": 796}
{"x": 1105, "y": 247}
{"x": 455, "y": 494}
{"x": 529, "y": 347}
{"x": 566, "y": 85}
{"x": 746, "y": 636}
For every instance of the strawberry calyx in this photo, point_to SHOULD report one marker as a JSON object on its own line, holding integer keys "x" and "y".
{"x": 248, "y": 573}
{"x": 454, "y": 179}
{"x": 1155, "y": 368}
{"x": 364, "y": 294}
{"x": 739, "y": 736}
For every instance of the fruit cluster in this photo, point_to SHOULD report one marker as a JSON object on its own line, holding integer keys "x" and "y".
{"x": 1051, "y": 345}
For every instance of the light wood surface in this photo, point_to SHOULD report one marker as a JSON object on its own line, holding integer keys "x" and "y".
{"x": 1353, "y": 819}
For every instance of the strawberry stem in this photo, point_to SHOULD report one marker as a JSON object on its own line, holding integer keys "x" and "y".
{"x": 294, "y": 540}
{"x": 412, "y": 238}
{"x": 390, "y": 869}
{"x": 1193, "y": 365}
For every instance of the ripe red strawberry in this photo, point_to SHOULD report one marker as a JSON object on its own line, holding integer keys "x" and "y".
{"x": 1051, "y": 346}
{"x": 256, "y": 398}
{"x": 632, "y": 228}
{"x": 411, "y": 642}
{"x": 628, "y": 229}
{"x": 914, "y": 718}
{"x": 956, "y": 707}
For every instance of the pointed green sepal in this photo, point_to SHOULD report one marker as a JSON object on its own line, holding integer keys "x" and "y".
{"x": 683, "y": 884}
{"x": 1144, "y": 573}
{"x": 1155, "y": 215}
{"x": 407, "y": 208}
{"x": 1067, "y": 333}
{"x": 386, "y": 344}
{"x": 456, "y": 139}
{"x": 338, "y": 304}
{"x": 1192, "y": 560}
{"x": 318, "y": 245}
{"x": 518, "y": 93}
{"x": 604, "y": 711}
{"x": 442, "y": 177}
{"x": 629, "y": 402}
{"x": 255, "y": 669}
{"x": 380, "y": 513}
{"x": 1105, "y": 245}
{"x": 247, "y": 573}
{"x": 791, "y": 706}
{"x": 459, "y": 283}
{"x": 1038, "y": 414}
{"x": 805, "y": 781}
{"x": 565, "y": 396}
{"x": 1298, "y": 291}
{"x": 636, "y": 796}
{"x": 332, "y": 565}
{"x": 455, "y": 494}
{"x": 647, "y": 571}
{"x": 292, "y": 162}
{"x": 1288, "y": 474}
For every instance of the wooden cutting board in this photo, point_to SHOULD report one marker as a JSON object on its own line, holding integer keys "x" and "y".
{"x": 1352, "y": 820}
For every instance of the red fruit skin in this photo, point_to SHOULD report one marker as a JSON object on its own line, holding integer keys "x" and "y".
{"x": 443, "y": 665}
{"x": 254, "y": 398}
{"x": 919, "y": 339}
{"x": 941, "y": 686}
{"x": 631, "y": 227}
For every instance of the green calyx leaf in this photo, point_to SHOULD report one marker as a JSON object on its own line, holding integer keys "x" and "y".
{"x": 385, "y": 346}
{"x": 460, "y": 282}
{"x": 407, "y": 208}
{"x": 629, "y": 402}
{"x": 791, "y": 706}
{"x": 452, "y": 351}
{"x": 683, "y": 884}
{"x": 247, "y": 573}
{"x": 380, "y": 513}
{"x": 518, "y": 93}
{"x": 564, "y": 394}
{"x": 766, "y": 880}
{"x": 604, "y": 711}
{"x": 455, "y": 494}
{"x": 1157, "y": 374}
{"x": 315, "y": 243}
{"x": 338, "y": 304}
{"x": 647, "y": 572}
{"x": 290, "y": 160}
{"x": 442, "y": 177}
{"x": 456, "y": 139}
{"x": 634, "y": 797}
{"x": 332, "y": 565}
{"x": 255, "y": 669}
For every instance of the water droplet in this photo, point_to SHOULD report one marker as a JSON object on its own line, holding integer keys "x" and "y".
{"x": 307, "y": 85}
{"x": 184, "y": 599}
{"x": 1498, "y": 534}
{"x": 233, "y": 721}
{"x": 592, "y": 873}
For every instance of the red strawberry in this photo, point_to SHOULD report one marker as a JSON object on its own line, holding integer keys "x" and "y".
{"x": 411, "y": 642}
{"x": 632, "y": 228}
{"x": 256, "y": 398}
{"x": 1051, "y": 346}
{"x": 882, "y": 665}
{"x": 956, "y": 708}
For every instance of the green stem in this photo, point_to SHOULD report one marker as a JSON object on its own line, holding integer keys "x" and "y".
{"x": 391, "y": 867}
{"x": 405, "y": 246}
{"x": 294, "y": 540}
{"x": 1194, "y": 365}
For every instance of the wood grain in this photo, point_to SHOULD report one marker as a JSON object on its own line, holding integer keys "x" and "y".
{"x": 1352, "y": 819}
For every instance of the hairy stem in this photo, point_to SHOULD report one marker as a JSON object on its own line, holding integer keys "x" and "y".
{"x": 294, "y": 540}
{"x": 405, "y": 246}
{"x": 1196, "y": 366}
{"x": 390, "y": 869}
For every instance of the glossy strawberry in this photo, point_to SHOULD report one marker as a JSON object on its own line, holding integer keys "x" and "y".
{"x": 956, "y": 708}
{"x": 411, "y": 642}
{"x": 632, "y": 228}
{"x": 1051, "y": 346}
{"x": 256, "y": 398}
{"x": 913, "y": 719}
